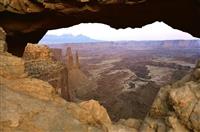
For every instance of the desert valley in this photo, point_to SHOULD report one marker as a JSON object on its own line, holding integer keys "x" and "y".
{"x": 126, "y": 76}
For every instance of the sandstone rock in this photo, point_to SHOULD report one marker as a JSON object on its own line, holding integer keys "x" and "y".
{"x": 175, "y": 125}
{"x": 56, "y": 54}
{"x": 32, "y": 87}
{"x": 176, "y": 106}
{"x": 153, "y": 125}
{"x": 2, "y": 34}
{"x": 132, "y": 123}
{"x": 99, "y": 113}
{"x": 77, "y": 60}
{"x": 195, "y": 117}
{"x": 70, "y": 60}
{"x": 198, "y": 64}
{"x": 183, "y": 101}
{"x": 39, "y": 64}
{"x": 80, "y": 83}
{"x": 20, "y": 112}
{"x": 23, "y": 6}
{"x": 3, "y": 45}
{"x": 196, "y": 74}
{"x": 11, "y": 66}
{"x": 35, "y": 51}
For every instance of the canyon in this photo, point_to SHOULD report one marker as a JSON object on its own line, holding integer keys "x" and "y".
{"x": 31, "y": 103}
{"x": 43, "y": 88}
{"x": 128, "y": 75}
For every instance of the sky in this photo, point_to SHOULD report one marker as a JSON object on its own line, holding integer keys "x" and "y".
{"x": 154, "y": 31}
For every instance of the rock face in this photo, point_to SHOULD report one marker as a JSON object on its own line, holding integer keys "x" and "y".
{"x": 70, "y": 59}
{"x": 28, "y": 20}
{"x": 30, "y": 104}
{"x": 3, "y": 46}
{"x": 35, "y": 52}
{"x": 39, "y": 64}
{"x": 77, "y": 60}
{"x": 176, "y": 107}
{"x": 77, "y": 80}
{"x": 70, "y": 82}
{"x": 56, "y": 54}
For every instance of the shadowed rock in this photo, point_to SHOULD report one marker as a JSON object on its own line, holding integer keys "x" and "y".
{"x": 70, "y": 59}
{"x": 77, "y": 60}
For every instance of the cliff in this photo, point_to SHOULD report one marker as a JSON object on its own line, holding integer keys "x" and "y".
{"x": 39, "y": 64}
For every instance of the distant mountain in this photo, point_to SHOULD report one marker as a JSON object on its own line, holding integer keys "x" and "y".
{"x": 66, "y": 38}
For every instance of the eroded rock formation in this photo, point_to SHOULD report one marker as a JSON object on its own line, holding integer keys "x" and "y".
{"x": 28, "y": 20}
{"x": 77, "y": 80}
{"x": 70, "y": 59}
{"x": 39, "y": 64}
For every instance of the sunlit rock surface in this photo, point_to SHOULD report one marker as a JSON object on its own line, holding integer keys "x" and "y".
{"x": 176, "y": 107}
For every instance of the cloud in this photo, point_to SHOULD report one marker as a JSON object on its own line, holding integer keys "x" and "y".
{"x": 154, "y": 31}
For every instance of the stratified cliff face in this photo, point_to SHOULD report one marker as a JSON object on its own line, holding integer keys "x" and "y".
{"x": 30, "y": 104}
{"x": 40, "y": 64}
{"x": 177, "y": 107}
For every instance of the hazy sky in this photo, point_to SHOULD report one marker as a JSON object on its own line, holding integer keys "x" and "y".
{"x": 154, "y": 31}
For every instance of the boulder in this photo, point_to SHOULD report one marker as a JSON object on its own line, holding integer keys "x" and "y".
{"x": 11, "y": 66}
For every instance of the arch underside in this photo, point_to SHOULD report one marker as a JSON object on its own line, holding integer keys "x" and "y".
{"x": 28, "y": 20}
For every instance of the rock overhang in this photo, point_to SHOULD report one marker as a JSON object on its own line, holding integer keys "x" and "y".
{"x": 28, "y": 20}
